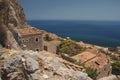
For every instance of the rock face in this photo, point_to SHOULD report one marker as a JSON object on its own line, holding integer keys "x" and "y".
{"x": 11, "y": 17}
{"x": 12, "y": 13}
{"x": 16, "y": 15}
{"x": 29, "y": 65}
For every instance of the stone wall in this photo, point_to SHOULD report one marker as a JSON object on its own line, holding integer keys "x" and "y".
{"x": 33, "y": 42}
{"x": 106, "y": 70}
{"x": 51, "y": 46}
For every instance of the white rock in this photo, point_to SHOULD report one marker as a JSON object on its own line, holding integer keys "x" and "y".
{"x": 31, "y": 65}
{"x": 45, "y": 76}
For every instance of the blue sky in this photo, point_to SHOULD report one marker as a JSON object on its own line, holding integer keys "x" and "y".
{"x": 71, "y": 9}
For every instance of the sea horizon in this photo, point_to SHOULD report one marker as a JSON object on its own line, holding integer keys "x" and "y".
{"x": 96, "y": 32}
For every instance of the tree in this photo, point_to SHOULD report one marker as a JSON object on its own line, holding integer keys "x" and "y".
{"x": 92, "y": 73}
{"x": 116, "y": 68}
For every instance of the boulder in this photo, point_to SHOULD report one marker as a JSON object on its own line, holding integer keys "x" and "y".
{"x": 52, "y": 64}
{"x": 77, "y": 75}
{"x": 36, "y": 75}
{"x": 15, "y": 76}
{"x": 70, "y": 74}
{"x": 31, "y": 65}
{"x": 64, "y": 72}
{"x": 11, "y": 64}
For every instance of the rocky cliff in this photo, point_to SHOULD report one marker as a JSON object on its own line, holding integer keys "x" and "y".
{"x": 11, "y": 17}
{"x": 12, "y": 13}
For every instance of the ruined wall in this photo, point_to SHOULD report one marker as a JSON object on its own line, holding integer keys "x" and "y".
{"x": 51, "y": 46}
{"x": 33, "y": 42}
{"x": 106, "y": 70}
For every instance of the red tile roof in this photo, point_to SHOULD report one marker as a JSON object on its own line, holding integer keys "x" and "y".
{"x": 92, "y": 58}
{"x": 84, "y": 56}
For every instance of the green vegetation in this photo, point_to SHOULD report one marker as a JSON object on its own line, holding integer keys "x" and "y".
{"x": 78, "y": 63}
{"x": 91, "y": 73}
{"x": 116, "y": 68}
{"x": 47, "y": 38}
{"x": 102, "y": 51}
{"x": 114, "y": 57}
{"x": 69, "y": 47}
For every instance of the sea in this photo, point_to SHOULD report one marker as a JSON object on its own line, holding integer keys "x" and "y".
{"x": 101, "y": 33}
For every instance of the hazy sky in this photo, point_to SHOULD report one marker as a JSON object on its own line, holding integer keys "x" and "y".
{"x": 72, "y": 9}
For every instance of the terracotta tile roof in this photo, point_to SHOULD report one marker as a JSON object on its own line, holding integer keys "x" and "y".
{"x": 29, "y": 31}
{"x": 93, "y": 51}
{"x": 97, "y": 63}
{"x": 84, "y": 56}
{"x": 92, "y": 58}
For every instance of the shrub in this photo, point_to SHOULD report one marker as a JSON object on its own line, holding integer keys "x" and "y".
{"x": 69, "y": 47}
{"x": 116, "y": 68}
{"x": 91, "y": 73}
{"x": 78, "y": 63}
{"x": 113, "y": 57}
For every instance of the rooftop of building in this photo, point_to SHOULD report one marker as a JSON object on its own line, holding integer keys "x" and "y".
{"x": 86, "y": 55}
{"x": 29, "y": 31}
{"x": 97, "y": 63}
{"x": 92, "y": 58}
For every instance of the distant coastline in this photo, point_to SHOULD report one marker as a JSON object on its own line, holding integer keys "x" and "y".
{"x": 102, "y": 33}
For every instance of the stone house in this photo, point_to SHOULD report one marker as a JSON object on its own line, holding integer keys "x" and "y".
{"x": 96, "y": 60}
{"x": 51, "y": 46}
{"x": 30, "y": 39}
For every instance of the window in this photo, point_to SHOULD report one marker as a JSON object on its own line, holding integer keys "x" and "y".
{"x": 45, "y": 48}
{"x": 37, "y": 49}
{"x": 37, "y": 39}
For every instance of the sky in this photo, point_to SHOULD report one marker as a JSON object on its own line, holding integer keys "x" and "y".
{"x": 71, "y": 9}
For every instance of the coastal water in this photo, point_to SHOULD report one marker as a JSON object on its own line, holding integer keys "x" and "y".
{"x": 103, "y": 33}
